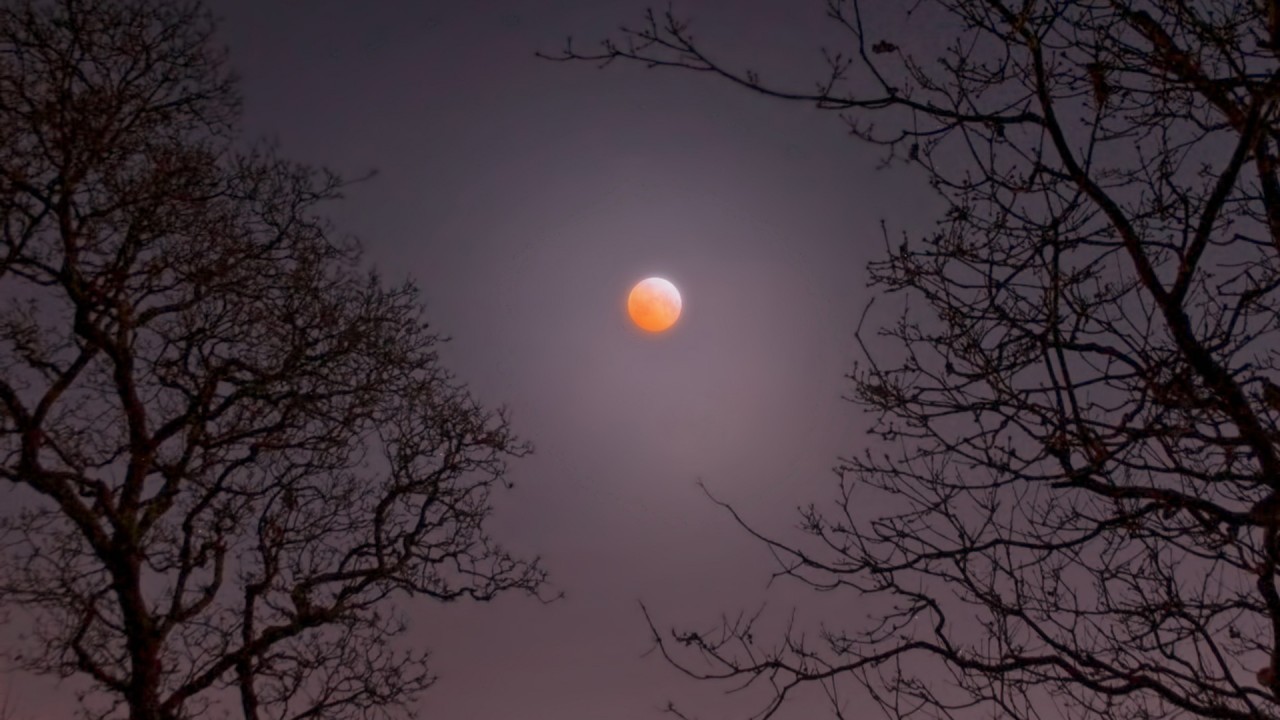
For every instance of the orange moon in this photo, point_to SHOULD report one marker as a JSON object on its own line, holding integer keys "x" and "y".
{"x": 654, "y": 304}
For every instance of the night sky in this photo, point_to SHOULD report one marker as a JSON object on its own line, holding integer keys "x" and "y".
{"x": 526, "y": 197}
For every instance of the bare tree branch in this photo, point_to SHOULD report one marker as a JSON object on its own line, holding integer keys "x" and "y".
{"x": 237, "y": 449}
{"x": 1074, "y": 507}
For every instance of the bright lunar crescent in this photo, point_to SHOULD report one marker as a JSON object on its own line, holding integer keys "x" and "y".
{"x": 654, "y": 304}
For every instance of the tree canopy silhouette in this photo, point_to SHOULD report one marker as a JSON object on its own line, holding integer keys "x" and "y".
{"x": 229, "y": 448}
{"x": 1073, "y": 508}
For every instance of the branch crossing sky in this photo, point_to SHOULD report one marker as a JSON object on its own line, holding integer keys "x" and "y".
{"x": 527, "y": 197}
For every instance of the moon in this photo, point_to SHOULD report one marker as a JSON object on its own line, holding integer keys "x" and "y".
{"x": 654, "y": 304}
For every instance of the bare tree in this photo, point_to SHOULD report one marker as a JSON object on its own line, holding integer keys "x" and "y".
{"x": 232, "y": 447}
{"x": 1074, "y": 509}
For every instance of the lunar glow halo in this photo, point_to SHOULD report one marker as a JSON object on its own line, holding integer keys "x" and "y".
{"x": 654, "y": 304}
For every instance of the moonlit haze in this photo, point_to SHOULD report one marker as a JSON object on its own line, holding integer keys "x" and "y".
{"x": 524, "y": 197}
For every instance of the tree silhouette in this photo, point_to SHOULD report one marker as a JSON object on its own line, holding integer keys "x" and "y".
{"x": 230, "y": 447}
{"x": 1073, "y": 509}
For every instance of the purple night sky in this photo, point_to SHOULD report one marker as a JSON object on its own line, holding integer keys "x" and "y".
{"x": 526, "y": 197}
